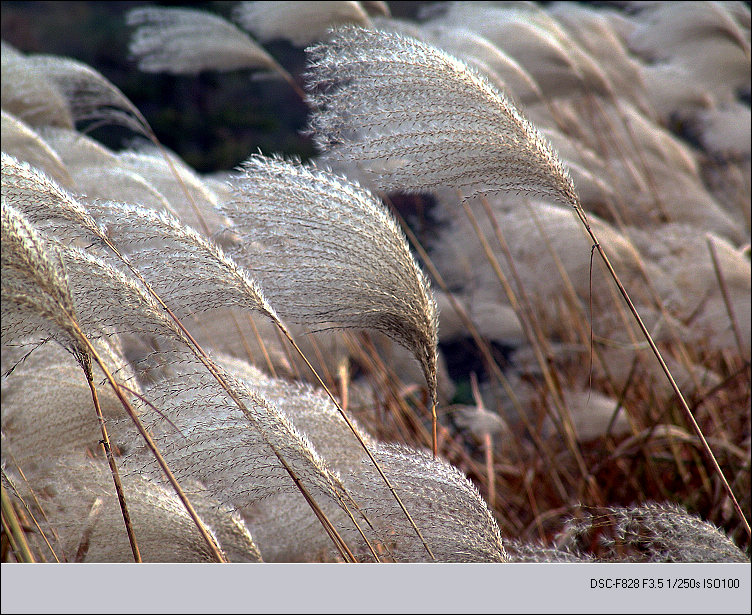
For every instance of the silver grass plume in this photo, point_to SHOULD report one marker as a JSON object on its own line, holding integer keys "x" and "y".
{"x": 301, "y": 23}
{"x": 36, "y": 299}
{"x": 188, "y": 41}
{"x": 500, "y": 68}
{"x": 91, "y": 97}
{"x": 419, "y": 118}
{"x": 654, "y": 532}
{"x": 77, "y": 149}
{"x": 96, "y": 183}
{"x": 46, "y": 204}
{"x": 452, "y": 516}
{"x": 455, "y": 519}
{"x": 23, "y": 142}
{"x": 111, "y": 301}
{"x": 207, "y": 439}
{"x": 531, "y": 35}
{"x": 106, "y": 300}
{"x": 535, "y": 553}
{"x": 189, "y": 272}
{"x": 326, "y": 251}
{"x": 98, "y": 173}
{"x": 29, "y": 95}
{"x": 227, "y": 525}
{"x": 159, "y": 168}
{"x": 309, "y": 409}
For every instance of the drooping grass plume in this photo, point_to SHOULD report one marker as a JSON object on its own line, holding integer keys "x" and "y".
{"x": 327, "y": 252}
{"x": 209, "y": 440}
{"x": 237, "y": 461}
{"x": 456, "y": 522}
{"x": 654, "y": 532}
{"x": 452, "y": 516}
{"x": 187, "y": 41}
{"x": 191, "y": 273}
{"x": 36, "y": 299}
{"x": 90, "y": 96}
{"x": 30, "y": 95}
{"x": 21, "y": 141}
{"x": 190, "y": 198}
{"x": 499, "y": 67}
{"x": 45, "y": 203}
{"x": 368, "y": 89}
{"x": 97, "y": 183}
{"x": 110, "y": 301}
{"x": 533, "y": 36}
{"x": 301, "y": 23}
{"x": 708, "y": 45}
{"x": 76, "y": 149}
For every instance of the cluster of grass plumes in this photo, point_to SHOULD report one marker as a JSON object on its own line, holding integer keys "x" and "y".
{"x": 537, "y": 131}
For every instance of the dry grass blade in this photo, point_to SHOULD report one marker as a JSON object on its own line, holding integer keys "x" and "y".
{"x": 368, "y": 89}
{"x": 14, "y": 531}
{"x": 81, "y": 508}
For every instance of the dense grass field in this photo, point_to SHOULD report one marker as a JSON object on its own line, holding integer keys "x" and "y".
{"x": 312, "y": 282}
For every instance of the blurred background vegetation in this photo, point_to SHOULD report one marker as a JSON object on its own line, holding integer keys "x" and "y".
{"x": 212, "y": 120}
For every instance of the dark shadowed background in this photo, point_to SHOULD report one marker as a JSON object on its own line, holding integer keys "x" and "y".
{"x": 212, "y": 120}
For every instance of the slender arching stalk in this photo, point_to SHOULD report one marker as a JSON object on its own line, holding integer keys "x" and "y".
{"x": 683, "y": 402}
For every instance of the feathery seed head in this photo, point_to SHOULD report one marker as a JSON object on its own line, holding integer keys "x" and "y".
{"x": 419, "y": 118}
{"x": 35, "y": 295}
{"x": 188, "y": 41}
{"x": 326, "y": 251}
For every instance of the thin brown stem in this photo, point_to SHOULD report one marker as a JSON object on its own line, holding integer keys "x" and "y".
{"x": 15, "y": 533}
{"x": 219, "y": 556}
{"x": 111, "y": 461}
